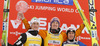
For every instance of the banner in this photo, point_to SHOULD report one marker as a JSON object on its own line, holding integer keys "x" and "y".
{"x": 68, "y": 15}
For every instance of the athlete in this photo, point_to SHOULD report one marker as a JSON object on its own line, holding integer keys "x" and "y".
{"x": 31, "y": 37}
{"x": 71, "y": 38}
{"x": 54, "y": 36}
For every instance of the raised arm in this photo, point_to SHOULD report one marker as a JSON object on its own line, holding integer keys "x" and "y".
{"x": 21, "y": 16}
{"x": 79, "y": 30}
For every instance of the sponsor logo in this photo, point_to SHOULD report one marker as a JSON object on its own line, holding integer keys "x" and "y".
{"x": 80, "y": 38}
{"x": 15, "y": 33}
{"x": 63, "y": 2}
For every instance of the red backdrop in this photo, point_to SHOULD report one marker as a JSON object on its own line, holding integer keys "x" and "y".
{"x": 70, "y": 17}
{"x": 1, "y": 18}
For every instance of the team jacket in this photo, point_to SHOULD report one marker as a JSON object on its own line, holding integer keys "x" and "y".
{"x": 75, "y": 43}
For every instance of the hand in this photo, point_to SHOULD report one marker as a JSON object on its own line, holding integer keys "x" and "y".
{"x": 97, "y": 38}
{"x": 21, "y": 15}
{"x": 2, "y": 42}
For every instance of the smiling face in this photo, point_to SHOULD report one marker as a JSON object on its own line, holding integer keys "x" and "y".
{"x": 35, "y": 26}
{"x": 55, "y": 25}
{"x": 71, "y": 35}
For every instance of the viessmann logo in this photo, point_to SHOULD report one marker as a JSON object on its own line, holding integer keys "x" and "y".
{"x": 43, "y": 25}
{"x": 63, "y": 2}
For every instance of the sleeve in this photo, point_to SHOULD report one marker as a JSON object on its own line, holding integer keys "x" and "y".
{"x": 42, "y": 42}
{"x": 64, "y": 36}
{"x": 21, "y": 40}
{"x": 27, "y": 25}
{"x": 43, "y": 33}
{"x": 79, "y": 30}
{"x": 81, "y": 44}
{"x": 62, "y": 44}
